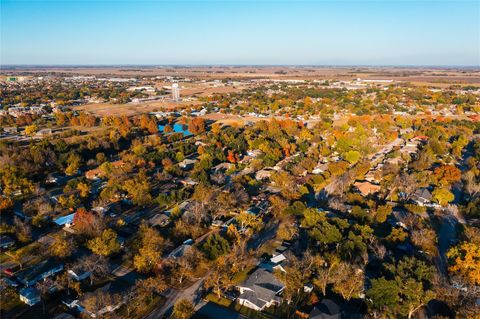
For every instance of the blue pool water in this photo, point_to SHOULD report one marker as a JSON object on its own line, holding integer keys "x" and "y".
{"x": 177, "y": 128}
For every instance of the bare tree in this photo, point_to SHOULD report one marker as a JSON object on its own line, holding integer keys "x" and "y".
{"x": 43, "y": 288}
{"x": 472, "y": 187}
{"x": 95, "y": 264}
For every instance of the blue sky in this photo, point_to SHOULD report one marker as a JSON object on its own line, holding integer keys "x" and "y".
{"x": 241, "y": 32}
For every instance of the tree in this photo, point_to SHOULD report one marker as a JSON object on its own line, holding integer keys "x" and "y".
{"x": 87, "y": 223}
{"x": 398, "y": 235}
{"x": 95, "y": 264}
{"x": 326, "y": 233}
{"x": 383, "y": 295}
{"x": 31, "y": 129}
{"x": 348, "y": 280}
{"x": 472, "y": 187}
{"x": 143, "y": 293}
{"x": 5, "y": 204}
{"x": 152, "y": 126}
{"x": 382, "y": 213}
{"x": 465, "y": 262}
{"x": 73, "y": 164}
{"x": 97, "y": 302}
{"x": 150, "y": 251}
{"x": 352, "y": 156}
{"x": 407, "y": 292}
{"x": 139, "y": 189}
{"x": 22, "y": 230}
{"x": 215, "y": 246}
{"x": 324, "y": 268}
{"x": 312, "y": 217}
{"x": 196, "y": 125}
{"x": 248, "y": 220}
{"x": 183, "y": 309}
{"x": 84, "y": 189}
{"x": 447, "y": 174}
{"x": 219, "y": 277}
{"x": 184, "y": 267}
{"x": 426, "y": 240}
{"x": 106, "y": 244}
{"x": 62, "y": 247}
{"x": 43, "y": 287}
{"x": 443, "y": 196}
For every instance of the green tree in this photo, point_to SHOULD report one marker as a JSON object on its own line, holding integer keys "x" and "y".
{"x": 352, "y": 156}
{"x": 384, "y": 296}
{"x": 215, "y": 246}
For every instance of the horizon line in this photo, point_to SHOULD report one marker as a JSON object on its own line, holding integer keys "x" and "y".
{"x": 237, "y": 65}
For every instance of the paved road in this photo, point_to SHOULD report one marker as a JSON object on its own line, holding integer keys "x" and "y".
{"x": 191, "y": 293}
{"x": 447, "y": 233}
{"x": 211, "y": 310}
{"x": 268, "y": 233}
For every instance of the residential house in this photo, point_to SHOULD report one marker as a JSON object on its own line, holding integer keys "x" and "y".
{"x": 160, "y": 220}
{"x": 422, "y": 197}
{"x": 254, "y": 153}
{"x": 6, "y": 242}
{"x": 187, "y": 164}
{"x": 79, "y": 274}
{"x": 373, "y": 176}
{"x": 98, "y": 172}
{"x": 42, "y": 270}
{"x": 115, "y": 289}
{"x": 66, "y": 221}
{"x": 366, "y": 188}
{"x": 264, "y": 174}
{"x": 44, "y": 132}
{"x": 30, "y": 296}
{"x": 327, "y": 309}
{"x": 10, "y": 130}
{"x": 181, "y": 250}
{"x": 276, "y": 262}
{"x": 261, "y": 290}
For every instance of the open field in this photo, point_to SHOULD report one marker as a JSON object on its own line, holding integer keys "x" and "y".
{"x": 106, "y": 109}
{"x": 419, "y": 75}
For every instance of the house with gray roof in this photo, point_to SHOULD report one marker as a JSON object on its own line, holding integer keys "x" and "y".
{"x": 261, "y": 290}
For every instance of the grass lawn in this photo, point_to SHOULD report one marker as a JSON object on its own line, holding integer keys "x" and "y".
{"x": 250, "y": 313}
{"x": 220, "y": 301}
{"x": 242, "y": 276}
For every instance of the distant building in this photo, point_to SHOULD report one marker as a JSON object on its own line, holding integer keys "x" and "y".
{"x": 175, "y": 92}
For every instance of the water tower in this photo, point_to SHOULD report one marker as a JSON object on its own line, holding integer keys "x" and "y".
{"x": 175, "y": 92}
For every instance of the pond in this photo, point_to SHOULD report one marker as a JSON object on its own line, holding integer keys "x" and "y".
{"x": 177, "y": 128}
